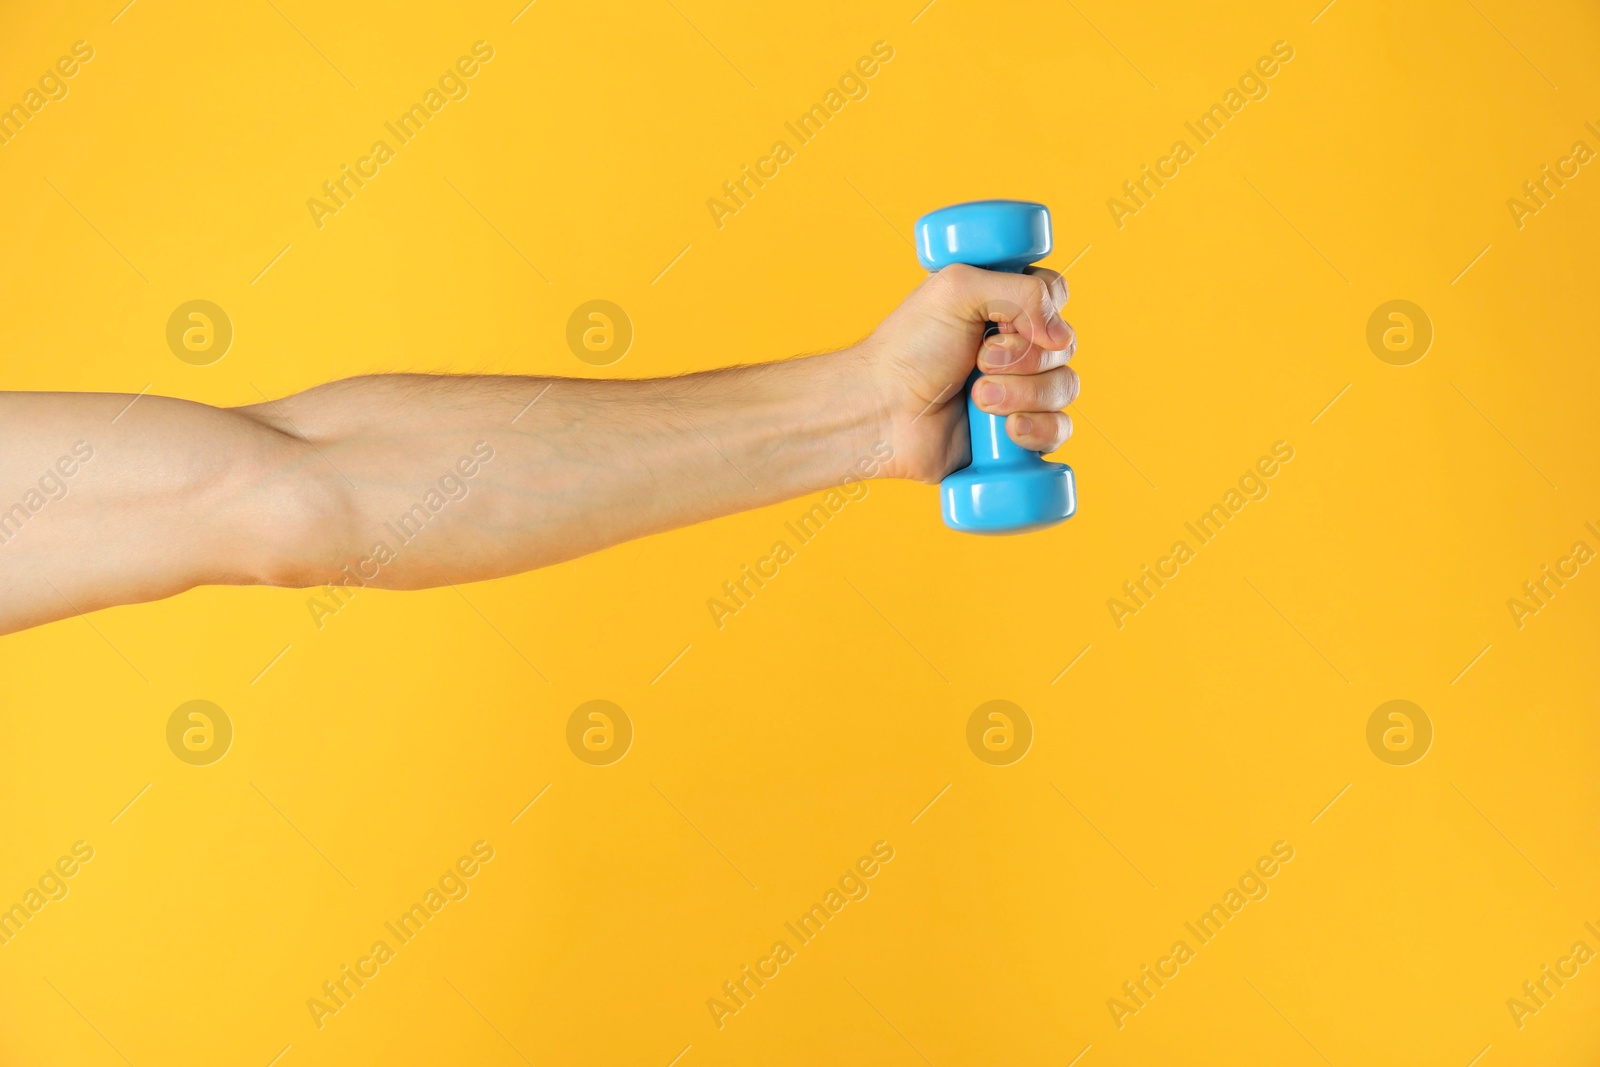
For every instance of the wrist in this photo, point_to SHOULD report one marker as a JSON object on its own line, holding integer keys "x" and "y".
{"x": 850, "y": 378}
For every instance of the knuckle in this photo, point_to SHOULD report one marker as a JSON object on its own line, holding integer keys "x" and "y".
{"x": 959, "y": 275}
{"x": 1059, "y": 391}
{"x": 940, "y": 288}
{"x": 1052, "y": 290}
{"x": 940, "y": 283}
{"x": 1058, "y": 289}
{"x": 1039, "y": 292}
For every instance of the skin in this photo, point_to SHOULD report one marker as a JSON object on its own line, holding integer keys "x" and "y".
{"x": 297, "y": 492}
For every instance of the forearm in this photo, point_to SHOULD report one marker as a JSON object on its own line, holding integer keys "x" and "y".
{"x": 404, "y": 481}
{"x": 462, "y": 479}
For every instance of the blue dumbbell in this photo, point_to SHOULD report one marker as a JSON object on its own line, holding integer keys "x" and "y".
{"x": 1007, "y": 488}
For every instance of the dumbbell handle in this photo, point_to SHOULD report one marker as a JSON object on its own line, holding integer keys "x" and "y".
{"x": 991, "y": 446}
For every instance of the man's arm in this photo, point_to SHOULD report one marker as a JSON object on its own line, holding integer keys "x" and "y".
{"x": 409, "y": 481}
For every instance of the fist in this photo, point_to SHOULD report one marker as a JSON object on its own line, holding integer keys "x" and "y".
{"x": 920, "y": 357}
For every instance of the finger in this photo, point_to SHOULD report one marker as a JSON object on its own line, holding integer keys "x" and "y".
{"x": 1029, "y": 303}
{"x": 1006, "y": 394}
{"x": 1056, "y": 282}
{"x": 1011, "y": 353}
{"x": 1041, "y": 431}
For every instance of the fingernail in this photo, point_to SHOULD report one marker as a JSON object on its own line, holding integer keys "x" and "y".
{"x": 999, "y": 356}
{"x": 1059, "y": 330}
{"x": 1024, "y": 426}
{"x": 987, "y": 393}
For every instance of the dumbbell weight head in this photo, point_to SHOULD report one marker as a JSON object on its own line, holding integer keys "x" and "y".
{"x": 1007, "y": 488}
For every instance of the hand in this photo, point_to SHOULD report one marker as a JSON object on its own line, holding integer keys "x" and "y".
{"x": 920, "y": 356}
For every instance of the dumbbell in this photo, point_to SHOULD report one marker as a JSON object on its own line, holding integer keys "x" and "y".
{"x": 1007, "y": 489}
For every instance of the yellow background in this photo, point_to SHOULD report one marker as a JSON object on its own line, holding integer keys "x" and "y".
{"x": 827, "y": 714}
